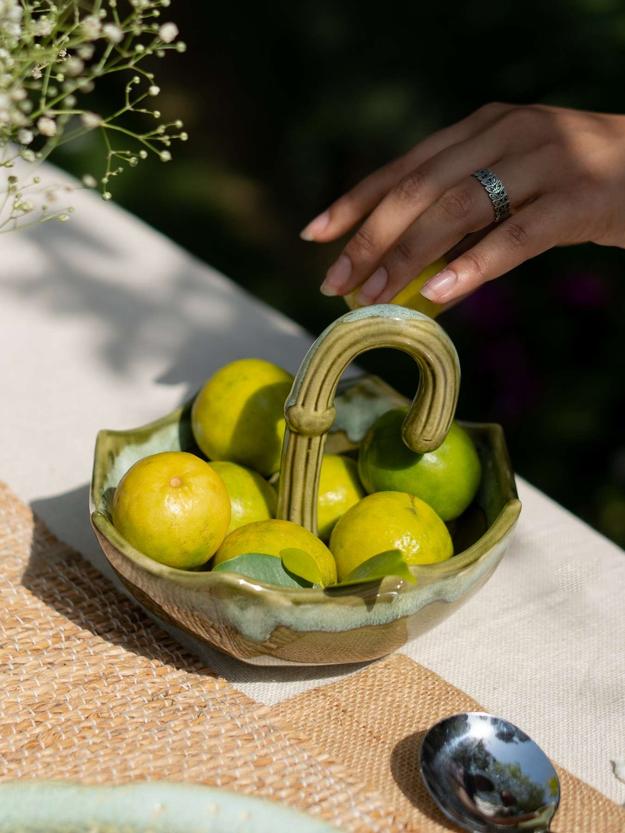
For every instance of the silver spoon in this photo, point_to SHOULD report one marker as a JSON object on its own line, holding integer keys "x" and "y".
{"x": 486, "y": 775}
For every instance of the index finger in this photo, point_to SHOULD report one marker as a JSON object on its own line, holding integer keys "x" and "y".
{"x": 350, "y": 208}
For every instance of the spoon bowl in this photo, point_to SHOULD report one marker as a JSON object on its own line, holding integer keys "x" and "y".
{"x": 487, "y": 775}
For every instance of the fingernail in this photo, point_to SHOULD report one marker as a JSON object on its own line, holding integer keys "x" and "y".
{"x": 372, "y": 287}
{"x": 337, "y": 276}
{"x": 315, "y": 226}
{"x": 440, "y": 285}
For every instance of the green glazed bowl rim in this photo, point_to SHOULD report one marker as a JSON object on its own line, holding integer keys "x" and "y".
{"x": 157, "y": 806}
{"x": 202, "y": 580}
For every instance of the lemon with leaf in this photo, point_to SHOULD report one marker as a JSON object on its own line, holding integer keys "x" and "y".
{"x": 387, "y": 521}
{"x": 274, "y": 537}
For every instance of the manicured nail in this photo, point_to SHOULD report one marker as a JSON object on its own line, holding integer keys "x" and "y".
{"x": 315, "y": 227}
{"x": 372, "y": 287}
{"x": 337, "y": 276}
{"x": 440, "y": 285}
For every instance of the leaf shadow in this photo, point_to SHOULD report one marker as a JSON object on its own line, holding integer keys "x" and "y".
{"x": 189, "y": 320}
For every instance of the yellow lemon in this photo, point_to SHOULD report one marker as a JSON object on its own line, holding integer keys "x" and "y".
{"x": 251, "y": 497}
{"x": 389, "y": 521}
{"x": 339, "y": 490}
{"x": 239, "y": 414}
{"x": 172, "y": 507}
{"x": 271, "y": 537}
{"x": 410, "y": 295}
{"x": 446, "y": 478}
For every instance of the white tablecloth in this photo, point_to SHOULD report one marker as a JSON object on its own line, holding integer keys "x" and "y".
{"x": 105, "y": 323}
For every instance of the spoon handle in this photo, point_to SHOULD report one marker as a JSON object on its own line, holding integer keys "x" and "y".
{"x": 309, "y": 409}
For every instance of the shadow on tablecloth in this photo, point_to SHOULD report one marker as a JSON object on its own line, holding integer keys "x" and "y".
{"x": 71, "y": 511}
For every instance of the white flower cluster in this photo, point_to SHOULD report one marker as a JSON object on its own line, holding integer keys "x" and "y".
{"x": 52, "y": 54}
{"x": 11, "y": 14}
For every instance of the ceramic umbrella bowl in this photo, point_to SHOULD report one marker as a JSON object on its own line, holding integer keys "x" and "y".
{"x": 264, "y": 624}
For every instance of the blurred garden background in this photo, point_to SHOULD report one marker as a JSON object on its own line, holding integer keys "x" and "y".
{"x": 289, "y": 104}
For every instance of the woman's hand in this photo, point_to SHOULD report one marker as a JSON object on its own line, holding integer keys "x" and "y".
{"x": 564, "y": 172}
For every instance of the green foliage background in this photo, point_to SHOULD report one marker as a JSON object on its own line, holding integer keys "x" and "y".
{"x": 288, "y": 104}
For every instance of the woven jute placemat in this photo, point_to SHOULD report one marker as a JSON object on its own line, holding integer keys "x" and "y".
{"x": 93, "y": 691}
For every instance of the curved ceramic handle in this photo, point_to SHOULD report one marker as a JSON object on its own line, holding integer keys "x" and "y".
{"x": 309, "y": 409}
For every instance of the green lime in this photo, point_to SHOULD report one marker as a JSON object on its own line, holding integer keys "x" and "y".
{"x": 447, "y": 478}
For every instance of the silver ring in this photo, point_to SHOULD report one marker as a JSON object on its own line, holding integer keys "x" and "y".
{"x": 496, "y": 192}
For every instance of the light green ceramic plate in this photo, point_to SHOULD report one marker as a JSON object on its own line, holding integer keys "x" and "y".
{"x": 157, "y": 807}
{"x": 268, "y": 625}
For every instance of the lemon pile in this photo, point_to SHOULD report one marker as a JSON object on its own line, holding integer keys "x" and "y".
{"x": 185, "y": 511}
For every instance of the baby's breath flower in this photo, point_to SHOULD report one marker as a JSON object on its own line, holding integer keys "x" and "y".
{"x": 46, "y": 126}
{"x": 90, "y": 120}
{"x": 86, "y": 51}
{"x": 168, "y": 32}
{"x": 43, "y": 26}
{"x": 51, "y": 56}
{"x": 23, "y": 206}
{"x": 91, "y": 27}
{"x": 73, "y": 66}
{"x": 11, "y": 14}
{"x": 113, "y": 33}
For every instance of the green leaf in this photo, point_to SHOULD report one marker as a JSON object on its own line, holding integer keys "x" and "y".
{"x": 262, "y": 567}
{"x": 389, "y": 563}
{"x": 302, "y": 564}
